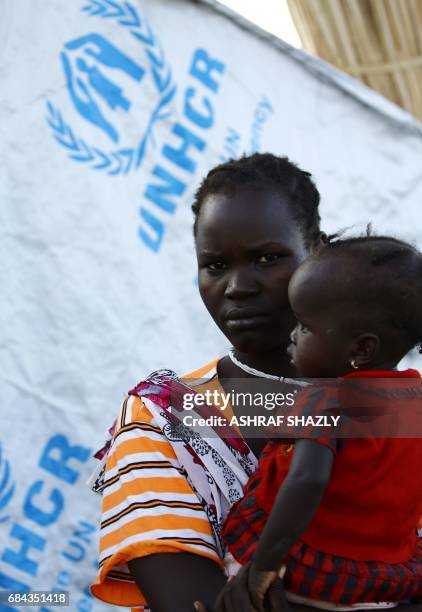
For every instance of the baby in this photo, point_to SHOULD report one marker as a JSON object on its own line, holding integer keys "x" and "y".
{"x": 338, "y": 517}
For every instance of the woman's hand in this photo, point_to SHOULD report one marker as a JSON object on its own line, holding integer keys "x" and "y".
{"x": 259, "y": 583}
{"x": 246, "y": 591}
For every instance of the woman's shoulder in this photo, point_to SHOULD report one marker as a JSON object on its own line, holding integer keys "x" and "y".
{"x": 207, "y": 371}
{"x": 135, "y": 409}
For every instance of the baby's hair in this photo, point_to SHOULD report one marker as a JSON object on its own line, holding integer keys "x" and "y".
{"x": 266, "y": 171}
{"x": 396, "y": 284}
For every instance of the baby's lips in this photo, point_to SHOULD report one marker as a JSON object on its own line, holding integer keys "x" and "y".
{"x": 291, "y": 350}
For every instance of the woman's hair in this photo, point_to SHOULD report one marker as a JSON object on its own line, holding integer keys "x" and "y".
{"x": 389, "y": 273}
{"x": 266, "y": 171}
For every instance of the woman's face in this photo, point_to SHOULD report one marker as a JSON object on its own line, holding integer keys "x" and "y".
{"x": 248, "y": 247}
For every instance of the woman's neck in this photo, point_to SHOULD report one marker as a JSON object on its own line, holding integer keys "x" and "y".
{"x": 275, "y": 362}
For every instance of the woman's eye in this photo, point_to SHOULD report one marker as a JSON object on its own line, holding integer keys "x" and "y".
{"x": 215, "y": 266}
{"x": 269, "y": 258}
{"x": 303, "y": 328}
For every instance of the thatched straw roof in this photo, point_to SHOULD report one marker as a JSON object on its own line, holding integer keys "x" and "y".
{"x": 377, "y": 41}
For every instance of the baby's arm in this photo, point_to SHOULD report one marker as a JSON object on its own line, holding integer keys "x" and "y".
{"x": 294, "y": 507}
{"x": 295, "y": 504}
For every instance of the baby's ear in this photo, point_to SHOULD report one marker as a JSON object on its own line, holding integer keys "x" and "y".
{"x": 364, "y": 349}
{"x": 319, "y": 242}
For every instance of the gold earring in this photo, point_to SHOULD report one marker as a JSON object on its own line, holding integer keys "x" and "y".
{"x": 354, "y": 364}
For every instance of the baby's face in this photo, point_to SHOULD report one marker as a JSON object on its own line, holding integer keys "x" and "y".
{"x": 320, "y": 342}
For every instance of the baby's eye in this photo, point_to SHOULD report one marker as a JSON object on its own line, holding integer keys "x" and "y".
{"x": 303, "y": 328}
{"x": 268, "y": 258}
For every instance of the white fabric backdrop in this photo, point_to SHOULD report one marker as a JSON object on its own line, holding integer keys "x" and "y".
{"x": 98, "y": 99}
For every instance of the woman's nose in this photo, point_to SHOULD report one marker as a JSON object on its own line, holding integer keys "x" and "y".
{"x": 241, "y": 283}
{"x": 293, "y": 335}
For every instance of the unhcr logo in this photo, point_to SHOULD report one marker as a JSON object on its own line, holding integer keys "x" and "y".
{"x": 110, "y": 95}
{"x": 7, "y": 487}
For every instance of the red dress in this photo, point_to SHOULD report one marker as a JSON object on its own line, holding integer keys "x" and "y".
{"x": 362, "y": 544}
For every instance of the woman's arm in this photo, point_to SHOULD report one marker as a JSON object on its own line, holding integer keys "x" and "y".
{"x": 153, "y": 522}
{"x": 173, "y": 582}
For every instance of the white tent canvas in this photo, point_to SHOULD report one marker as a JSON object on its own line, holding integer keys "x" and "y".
{"x": 110, "y": 114}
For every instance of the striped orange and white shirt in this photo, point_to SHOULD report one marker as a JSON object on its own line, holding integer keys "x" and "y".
{"x": 148, "y": 505}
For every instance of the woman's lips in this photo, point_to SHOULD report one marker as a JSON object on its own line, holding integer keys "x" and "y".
{"x": 246, "y": 322}
{"x": 243, "y": 318}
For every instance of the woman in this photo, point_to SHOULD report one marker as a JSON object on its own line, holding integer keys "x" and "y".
{"x": 255, "y": 220}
